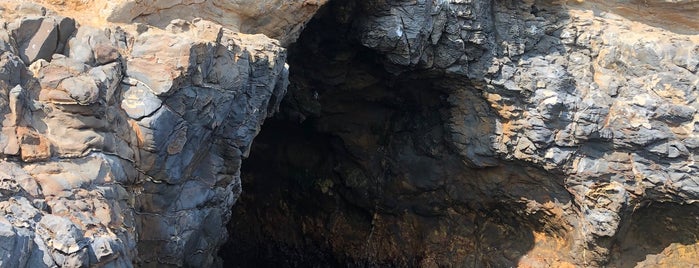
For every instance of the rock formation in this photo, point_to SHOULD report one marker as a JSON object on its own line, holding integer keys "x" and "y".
{"x": 122, "y": 142}
{"x": 414, "y": 133}
{"x": 481, "y": 134}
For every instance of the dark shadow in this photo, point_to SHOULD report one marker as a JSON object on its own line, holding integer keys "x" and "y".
{"x": 660, "y": 234}
{"x": 360, "y": 169}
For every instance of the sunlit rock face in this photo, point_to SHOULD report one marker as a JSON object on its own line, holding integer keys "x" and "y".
{"x": 413, "y": 133}
{"x": 122, "y": 144}
{"x": 481, "y": 134}
{"x": 279, "y": 19}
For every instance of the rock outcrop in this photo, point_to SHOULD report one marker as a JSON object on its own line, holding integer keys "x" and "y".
{"x": 122, "y": 144}
{"x": 414, "y": 133}
{"x": 482, "y": 134}
{"x": 279, "y": 19}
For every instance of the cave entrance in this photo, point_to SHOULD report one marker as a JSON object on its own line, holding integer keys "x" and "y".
{"x": 359, "y": 168}
{"x": 658, "y": 235}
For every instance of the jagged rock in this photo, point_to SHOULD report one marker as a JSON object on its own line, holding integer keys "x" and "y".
{"x": 479, "y": 134}
{"x": 139, "y": 101}
{"x": 432, "y": 133}
{"x": 60, "y": 234}
{"x": 123, "y": 148}
{"x": 281, "y": 20}
{"x": 40, "y": 37}
{"x": 82, "y": 89}
{"x": 36, "y": 37}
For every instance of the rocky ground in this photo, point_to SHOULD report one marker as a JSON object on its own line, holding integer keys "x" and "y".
{"x": 412, "y": 133}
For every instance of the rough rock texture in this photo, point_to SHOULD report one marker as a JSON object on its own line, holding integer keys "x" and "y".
{"x": 481, "y": 134}
{"x": 279, "y": 19}
{"x": 121, "y": 145}
{"x": 469, "y": 133}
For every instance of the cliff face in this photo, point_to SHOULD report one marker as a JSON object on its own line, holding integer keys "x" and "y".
{"x": 122, "y": 143}
{"x": 481, "y": 134}
{"x": 413, "y": 133}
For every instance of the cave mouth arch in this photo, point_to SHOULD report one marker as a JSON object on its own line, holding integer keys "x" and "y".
{"x": 657, "y": 234}
{"x": 359, "y": 169}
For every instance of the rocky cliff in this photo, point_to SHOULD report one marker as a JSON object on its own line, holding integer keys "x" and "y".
{"x": 411, "y": 133}
{"x": 122, "y": 141}
{"x": 481, "y": 134}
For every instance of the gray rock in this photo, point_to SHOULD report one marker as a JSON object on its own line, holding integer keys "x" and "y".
{"x": 78, "y": 47}
{"x": 675, "y": 114}
{"x": 37, "y": 38}
{"x": 108, "y": 79}
{"x": 480, "y": 132}
{"x": 31, "y": 9}
{"x": 517, "y": 104}
{"x": 92, "y": 140}
{"x": 82, "y": 89}
{"x": 8, "y": 237}
{"x": 102, "y": 249}
{"x": 60, "y": 234}
{"x": 6, "y": 42}
{"x": 93, "y": 46}
{"x": 11, "y": 69}
{"x": 138, "y": 101}
{"x": 66, "y": 28}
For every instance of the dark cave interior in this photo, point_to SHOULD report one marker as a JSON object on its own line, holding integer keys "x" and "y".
{"x": 358, "y": 169}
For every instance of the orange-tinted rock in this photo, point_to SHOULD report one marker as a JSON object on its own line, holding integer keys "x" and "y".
{"x": 33, "y": 146}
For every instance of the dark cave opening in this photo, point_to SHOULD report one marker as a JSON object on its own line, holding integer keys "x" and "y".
{"x": 358, "y": 169}
{"x": 657, "y": 235}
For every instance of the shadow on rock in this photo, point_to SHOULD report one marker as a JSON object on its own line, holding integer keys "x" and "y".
{"x": 658, "y": 235}
{"x": 388, "y": 158}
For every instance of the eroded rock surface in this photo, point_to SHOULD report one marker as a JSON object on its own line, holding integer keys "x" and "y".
{"x": 279, "y": 19}
{"x": 482, "y": 134}
{"x": 415, "y": 133}
{"x": 121, "y": 145}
